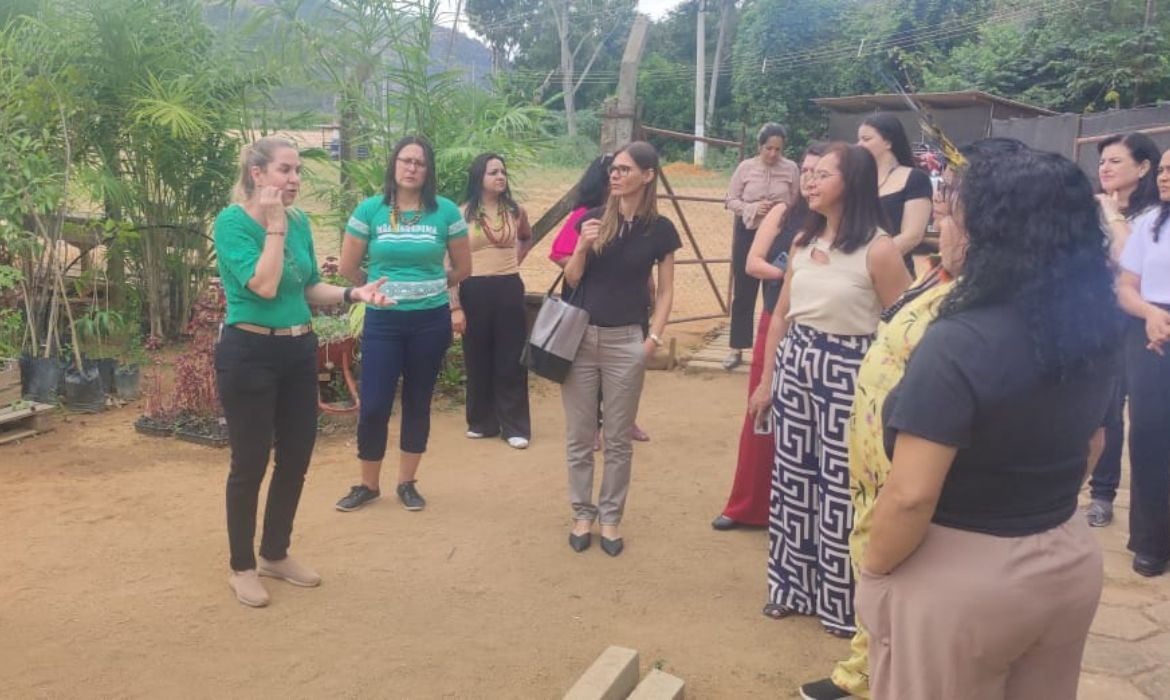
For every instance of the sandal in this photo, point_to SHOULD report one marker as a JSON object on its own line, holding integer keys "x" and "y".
{"x": 838, "y": 633}
{"x": 777, "y": 611}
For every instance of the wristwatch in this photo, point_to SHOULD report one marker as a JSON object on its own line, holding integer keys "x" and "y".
{"x": 654, "y": 337}
{"x": 347, "y": 295}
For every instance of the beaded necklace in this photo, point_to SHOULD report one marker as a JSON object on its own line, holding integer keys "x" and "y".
{"x": 396, "y": 216}
{"x": 500, "y": 233}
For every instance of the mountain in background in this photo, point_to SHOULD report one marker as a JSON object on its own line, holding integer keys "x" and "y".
{"x": 468, "y": 55}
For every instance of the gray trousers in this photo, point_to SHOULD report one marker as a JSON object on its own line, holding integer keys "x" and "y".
{"x": 612, "y": 359}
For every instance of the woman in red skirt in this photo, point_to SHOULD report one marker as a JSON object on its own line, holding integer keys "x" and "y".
{"x": 751, "y": 491}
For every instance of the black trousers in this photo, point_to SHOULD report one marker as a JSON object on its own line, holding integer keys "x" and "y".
{"x": 745, "y": 288}
{"x": 268, "y": 388}
{"x": 1148, "y": 380}
{"x": 1107, "y": 474}
{"x": 497, "y": 382}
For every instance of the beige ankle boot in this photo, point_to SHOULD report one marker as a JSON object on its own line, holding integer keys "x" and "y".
{"x": 248, "y": 588}
{"x": 290, "y": 570}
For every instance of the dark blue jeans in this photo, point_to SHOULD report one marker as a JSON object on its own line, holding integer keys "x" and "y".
{"x": 406, "y": 344}
{"x": 1107, "y": 474}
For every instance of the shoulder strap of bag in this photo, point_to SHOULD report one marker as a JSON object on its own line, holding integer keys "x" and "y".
{"x": 553, "y": 286}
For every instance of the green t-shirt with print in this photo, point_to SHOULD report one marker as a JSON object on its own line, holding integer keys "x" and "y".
{"x": 409, "y": 252}
{"x": 239, "y": 240}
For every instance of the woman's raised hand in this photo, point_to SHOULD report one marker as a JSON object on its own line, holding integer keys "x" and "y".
{"x": 272, "y": 206}
{"x": 590, "y": 230}
{"x": 371, "y": 293}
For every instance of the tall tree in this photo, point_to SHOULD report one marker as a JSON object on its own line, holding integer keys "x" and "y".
{"x": 504, "y": 25}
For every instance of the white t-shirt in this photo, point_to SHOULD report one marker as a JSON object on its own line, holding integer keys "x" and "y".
{"x": 1148, "y": 259}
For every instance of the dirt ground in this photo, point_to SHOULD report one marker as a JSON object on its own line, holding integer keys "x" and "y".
{"x": 113, "y": 565}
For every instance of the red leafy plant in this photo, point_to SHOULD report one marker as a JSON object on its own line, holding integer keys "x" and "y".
{"x": 193, "y": 401}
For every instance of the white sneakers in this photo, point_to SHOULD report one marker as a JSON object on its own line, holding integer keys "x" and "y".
{"x": 517, "y": 442}
{"x": 250, "y": 590}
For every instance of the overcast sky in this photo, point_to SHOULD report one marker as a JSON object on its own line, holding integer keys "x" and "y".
{"x": 654, "y": 8}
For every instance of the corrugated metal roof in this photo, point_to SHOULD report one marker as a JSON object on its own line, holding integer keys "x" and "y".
{"x": 940, "y": 100}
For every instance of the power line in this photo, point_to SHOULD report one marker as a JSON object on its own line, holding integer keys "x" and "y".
{"x": 793, "y": 60}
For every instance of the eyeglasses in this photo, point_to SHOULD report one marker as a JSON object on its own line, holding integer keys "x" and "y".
{"x": 821, "y": 175}
{"x": 413, "y": 163}
{"x": 622, "y": 170}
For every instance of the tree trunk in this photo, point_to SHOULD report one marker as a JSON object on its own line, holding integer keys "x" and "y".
{"x": 562, "y": 17}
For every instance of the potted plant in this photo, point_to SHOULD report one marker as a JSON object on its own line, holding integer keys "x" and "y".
{"x": 131, "y": 356}
{"x": 158, "y": 417}
{"x": 336, "y": 350}
{"x": 191, "y": 408}
{"x": 98, "y": 335}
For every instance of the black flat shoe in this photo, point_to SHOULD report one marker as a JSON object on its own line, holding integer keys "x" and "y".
{"x": 1144, "y": 565}
{"x": 612, "y": 547}
{"x": 580, "y": 543}
{"x": 724, "y": 523}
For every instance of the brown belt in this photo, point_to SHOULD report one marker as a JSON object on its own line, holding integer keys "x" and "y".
{"x": 293, "y": 331}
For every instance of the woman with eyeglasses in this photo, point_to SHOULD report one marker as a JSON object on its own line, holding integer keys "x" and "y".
{"x": 620, "y": 244}
{"x": 1144, "y": 291}
{"x": 406, "y": 233}
{"x": 980, "y": 580}
{"x": 843, "y": 269}
{"x": 492, "y": 299}
{"x": 905, "y": 190}
{"x": 758, "y": 185}
{"x": 751, "y": 490}
{"x": 592, "y": 191}
{"x": 1127, "y": 171}
{"x": 266, "y": 360}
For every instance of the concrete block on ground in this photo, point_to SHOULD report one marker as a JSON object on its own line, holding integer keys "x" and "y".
{"x": 658, "y": 685}
{"x": 612, "y": 676}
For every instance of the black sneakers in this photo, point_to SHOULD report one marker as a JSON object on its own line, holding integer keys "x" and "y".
{"x": 408, "y": 494}
{"x": 357, "y": 497}
{"x": 824, "y": 689}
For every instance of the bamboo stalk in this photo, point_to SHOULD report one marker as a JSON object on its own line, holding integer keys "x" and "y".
{"x": 69, "y": 316}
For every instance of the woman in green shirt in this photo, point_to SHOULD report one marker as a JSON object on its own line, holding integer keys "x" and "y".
{"x": 265, "y": 361}
{"x": 406, "y": 233}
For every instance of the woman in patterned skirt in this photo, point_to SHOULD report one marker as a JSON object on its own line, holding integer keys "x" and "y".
{"x": 842, "y": 271}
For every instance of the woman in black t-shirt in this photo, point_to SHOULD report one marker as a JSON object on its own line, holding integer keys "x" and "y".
{"x": 979, "y": 580}
{"x": 905, "y": 191}
{"x": 618, "y": 247}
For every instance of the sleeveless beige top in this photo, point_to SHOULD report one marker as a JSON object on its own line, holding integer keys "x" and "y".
{"x": 835, "y": 297}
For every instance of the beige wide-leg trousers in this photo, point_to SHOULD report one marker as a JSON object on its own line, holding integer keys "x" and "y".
{"x": 970, "y": 616}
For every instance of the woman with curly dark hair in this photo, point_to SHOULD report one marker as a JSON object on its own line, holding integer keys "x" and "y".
{"x": 979, "y": 580}
{"x": 1144, "y": 292}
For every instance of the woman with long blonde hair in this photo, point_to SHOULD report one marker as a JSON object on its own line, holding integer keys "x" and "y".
{"x": 619, "y": 245}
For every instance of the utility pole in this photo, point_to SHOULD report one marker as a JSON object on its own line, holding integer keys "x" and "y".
{"x": 724, "y": 19}
{"x": 700, "y": 80}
